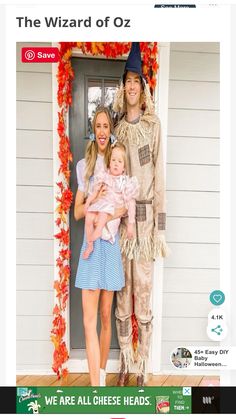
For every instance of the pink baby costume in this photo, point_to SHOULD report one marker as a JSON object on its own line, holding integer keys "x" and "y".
{"x": 121, "y": 191}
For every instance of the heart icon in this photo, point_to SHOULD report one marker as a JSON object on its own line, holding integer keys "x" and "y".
{"x": 217, "y": 298}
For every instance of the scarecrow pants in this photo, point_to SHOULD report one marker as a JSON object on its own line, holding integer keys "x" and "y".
{"x": 138, "y": 282}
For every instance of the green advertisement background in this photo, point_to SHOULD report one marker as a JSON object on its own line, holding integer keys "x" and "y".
{"x": 125, "y": 400}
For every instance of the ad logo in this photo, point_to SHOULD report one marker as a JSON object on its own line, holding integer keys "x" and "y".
{"x": 29, "y": 55}
{"x": 39, "y": 55}
{"x": 207, "y": 400}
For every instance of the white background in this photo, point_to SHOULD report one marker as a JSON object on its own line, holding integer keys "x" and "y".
{"x": 200, "y": 24}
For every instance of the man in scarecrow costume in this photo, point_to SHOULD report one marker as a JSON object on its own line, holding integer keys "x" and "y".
{"x": 139, "y": 130}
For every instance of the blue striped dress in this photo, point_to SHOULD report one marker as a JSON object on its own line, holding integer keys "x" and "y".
{"x": 103, "y": 269}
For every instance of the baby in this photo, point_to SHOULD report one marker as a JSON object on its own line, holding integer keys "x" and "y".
{"x": 121, "y": 191}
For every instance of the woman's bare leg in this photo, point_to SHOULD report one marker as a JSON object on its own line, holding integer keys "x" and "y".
{"x": 105, "y": 335}
{"x": 90, "y": 300}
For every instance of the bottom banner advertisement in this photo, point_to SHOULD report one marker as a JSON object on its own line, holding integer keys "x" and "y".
{"x": 147, "y": 400}
{"x": 117, "y": 400}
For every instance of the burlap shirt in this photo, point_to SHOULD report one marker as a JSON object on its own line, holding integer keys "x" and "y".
{"x": 145, "y": 161}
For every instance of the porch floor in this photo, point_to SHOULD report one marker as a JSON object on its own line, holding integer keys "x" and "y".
{"x": 74, "y": 379}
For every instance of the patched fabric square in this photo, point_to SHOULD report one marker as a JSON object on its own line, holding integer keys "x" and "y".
{"x": 141, "y": 212}
{"x": 144, "y": 155}
{"x": 124, "y": 328}
{"x": 162, "y": 221}
{"x": 140, "y": 335}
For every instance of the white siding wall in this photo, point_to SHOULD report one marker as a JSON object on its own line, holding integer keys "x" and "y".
{"x": 192, "y": 270}
{"x": 34, "y": 215}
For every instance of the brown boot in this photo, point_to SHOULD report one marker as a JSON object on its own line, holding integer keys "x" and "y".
{"x": 123, "y": 379}
{"x": 140, "y": 380}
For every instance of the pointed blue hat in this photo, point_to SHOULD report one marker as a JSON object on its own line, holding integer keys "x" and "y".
{"x": 134, "y": 62}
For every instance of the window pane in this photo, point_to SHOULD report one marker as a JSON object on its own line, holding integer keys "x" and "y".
{"x": 100, "y": 92}
{"x": 110, "y": 87}
{"x": 94, "y": 99}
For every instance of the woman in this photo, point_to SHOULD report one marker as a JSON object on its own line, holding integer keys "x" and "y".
{"x": 102, "y": 273}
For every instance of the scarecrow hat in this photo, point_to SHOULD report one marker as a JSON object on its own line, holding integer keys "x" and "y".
{"x": 134, "y": 62}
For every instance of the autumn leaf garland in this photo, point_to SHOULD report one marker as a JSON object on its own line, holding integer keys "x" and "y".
{"x": 63, "y": 203}
{"x": 64, "y": 196}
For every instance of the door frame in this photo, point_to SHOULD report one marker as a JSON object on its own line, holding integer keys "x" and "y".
{"x": 74, "y": 364}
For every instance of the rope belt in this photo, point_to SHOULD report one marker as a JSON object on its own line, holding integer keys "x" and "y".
{"x": 144, "y": 201}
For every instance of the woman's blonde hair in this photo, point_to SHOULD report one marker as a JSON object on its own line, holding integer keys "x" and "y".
{"x": 92, "y": 147}
{"x": 122, "y": 148}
